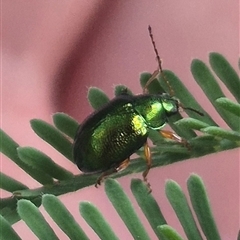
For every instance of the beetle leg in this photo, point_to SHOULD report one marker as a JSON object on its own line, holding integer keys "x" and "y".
{"x": 154, "y": 75}
{"x": 119, "y": 168}
{"x": 148, "y": 156}
{"x": 123, "y": 165}
{"x": 175, "y": 137}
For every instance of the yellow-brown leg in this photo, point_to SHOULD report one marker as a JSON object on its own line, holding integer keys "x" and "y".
{"x": 148, "y": 157}
{"x": 175, "y": 137}
{"x": 119, "y": 168}
{"x": 154, "y": 75}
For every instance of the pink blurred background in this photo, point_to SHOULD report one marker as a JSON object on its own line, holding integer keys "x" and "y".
{"x": 52, "y": 51}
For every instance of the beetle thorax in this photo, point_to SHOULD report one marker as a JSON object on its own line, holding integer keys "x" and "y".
{"x": 155, "y": 109}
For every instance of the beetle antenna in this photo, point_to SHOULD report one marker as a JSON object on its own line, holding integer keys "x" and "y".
{"x": 160, "y": 70}
{"x": 194, "y": 110}
{"x": 159, "y": 65}
{"x": 155, "y": 49}
{"x": 191, "y": 109}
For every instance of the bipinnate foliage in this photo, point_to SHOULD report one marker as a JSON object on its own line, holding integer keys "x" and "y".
{"x": 55, "y": 180}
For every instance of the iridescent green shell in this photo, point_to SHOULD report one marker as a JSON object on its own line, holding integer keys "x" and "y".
{"x": 112, "y": 134}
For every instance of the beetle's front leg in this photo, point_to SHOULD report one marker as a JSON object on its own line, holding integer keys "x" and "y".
{"x": 175, "y": 137}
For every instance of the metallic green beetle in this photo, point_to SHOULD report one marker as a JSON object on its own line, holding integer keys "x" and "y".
{"x": 107, "y": 138}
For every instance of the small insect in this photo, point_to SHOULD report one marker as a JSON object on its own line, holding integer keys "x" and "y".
{"x": 108, "y": 137}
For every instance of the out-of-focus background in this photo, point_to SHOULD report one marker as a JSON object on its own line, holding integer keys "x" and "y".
{"x": 52, "y": 51}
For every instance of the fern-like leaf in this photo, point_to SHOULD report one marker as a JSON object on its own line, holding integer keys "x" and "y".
{"x": 55, "y": 180}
